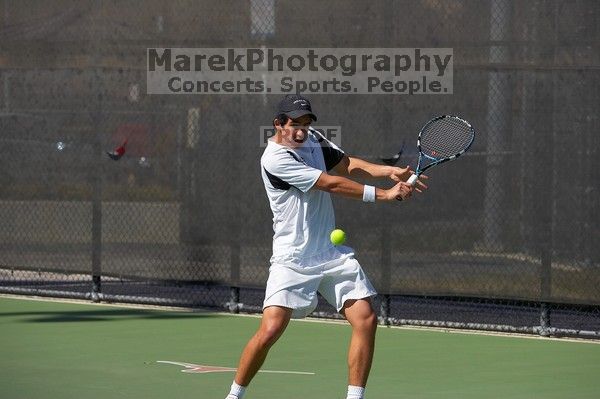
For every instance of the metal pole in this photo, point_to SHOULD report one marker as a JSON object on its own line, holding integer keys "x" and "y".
{"x": 234, "y": 300}
{"x": 550, "y": 214}
{"x": 528, "y": 98}
{"x": 97, "y": 120}
{"x": 546, "y": 284}
{"x": 96, "y": 242}
{"x": 384, "y": 220}
{"x": 97, "y": 207}
{"x": 235, "y": 225}
{"x": 384, "y": 310}
{"x": 5, "y": 77}
{"x": 386, "y": 260}
{"x": 497, "y": 124}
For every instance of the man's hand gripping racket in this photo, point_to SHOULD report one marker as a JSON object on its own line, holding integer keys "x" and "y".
{"x": 442, "y": 139}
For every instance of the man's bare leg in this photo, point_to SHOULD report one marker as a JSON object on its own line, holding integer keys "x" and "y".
{"x": 363, "y": 320}
{"x": 274, "y": 321}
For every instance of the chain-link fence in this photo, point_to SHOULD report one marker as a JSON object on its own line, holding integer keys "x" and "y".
{"x": 506, "y": 238}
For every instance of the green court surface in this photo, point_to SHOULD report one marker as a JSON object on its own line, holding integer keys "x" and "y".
{"x": 67, "y": 350}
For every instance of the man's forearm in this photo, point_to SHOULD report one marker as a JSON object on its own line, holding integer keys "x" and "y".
{"x": 362, "y": 169}
{"x": 345, "y": 187}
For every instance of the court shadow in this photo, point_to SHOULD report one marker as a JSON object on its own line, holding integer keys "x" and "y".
{"x": 102, "y": 315}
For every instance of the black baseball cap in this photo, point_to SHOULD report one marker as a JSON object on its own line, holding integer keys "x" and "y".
{"x": 294, "y": 106}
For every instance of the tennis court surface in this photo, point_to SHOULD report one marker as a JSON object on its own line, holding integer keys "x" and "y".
{"x": 76, "y": 350}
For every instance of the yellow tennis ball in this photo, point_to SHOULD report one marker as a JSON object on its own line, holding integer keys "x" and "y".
{"x": 338, "y": 237}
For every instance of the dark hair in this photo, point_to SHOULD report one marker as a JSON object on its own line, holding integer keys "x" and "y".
{"x": 282, "y": 119}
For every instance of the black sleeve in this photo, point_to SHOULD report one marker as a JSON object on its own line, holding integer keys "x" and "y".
{"x": 332, "y": 156}
{"x": 331, "y": 153}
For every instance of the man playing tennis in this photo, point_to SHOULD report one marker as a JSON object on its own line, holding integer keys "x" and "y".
{"x": 294, "y": 169}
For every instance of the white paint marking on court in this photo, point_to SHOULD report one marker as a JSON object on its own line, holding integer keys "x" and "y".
{"x": 202, "y": 369}
{"x": 500, "y": 334}
{"x": 339, "y": 322}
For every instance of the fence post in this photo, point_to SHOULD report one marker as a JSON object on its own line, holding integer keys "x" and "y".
{"x": 98, "y": 123}
{"x": 545, "y": 290}
{"x": 544, "y": 319}
{"x": 497, "y": 124}
{"x": 235, "y": 225}
{"x": 234, "y": 300}
{"x": 384, "y": 310}
{"x": 97, "y": 217}
{"x": 234, "y": 278}
{"x": 386, "y": 258}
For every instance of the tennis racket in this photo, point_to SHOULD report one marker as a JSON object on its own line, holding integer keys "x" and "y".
{"x": 442, "y": 139}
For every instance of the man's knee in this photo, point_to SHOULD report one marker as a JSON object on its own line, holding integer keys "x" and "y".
{"x": 270, "y": 332}
{"x": 360, "y": 314}
{"x": 368, "y": 322}
{"x": 274, "y": 323}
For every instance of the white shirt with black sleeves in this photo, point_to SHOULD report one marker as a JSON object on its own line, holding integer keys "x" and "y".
{"x": 303, "y": 217}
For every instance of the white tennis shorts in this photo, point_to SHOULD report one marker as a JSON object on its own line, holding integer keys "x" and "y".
{"x": 335, "y": 274}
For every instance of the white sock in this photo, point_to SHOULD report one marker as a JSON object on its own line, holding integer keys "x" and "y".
{"x": 355, "y": 392}
{"x": 236, "y": 392}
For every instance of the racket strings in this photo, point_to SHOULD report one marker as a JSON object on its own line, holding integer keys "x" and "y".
{"x": 446, "y": 137}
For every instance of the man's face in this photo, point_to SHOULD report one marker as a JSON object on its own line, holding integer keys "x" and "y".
{"x": 295, "y": 131}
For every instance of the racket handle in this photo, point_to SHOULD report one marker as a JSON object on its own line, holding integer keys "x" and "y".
{"x": 412, "y": 180}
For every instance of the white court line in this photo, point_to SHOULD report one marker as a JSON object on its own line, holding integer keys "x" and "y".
{"x": 339, "y": 322}
{"x": 203, "y": 369}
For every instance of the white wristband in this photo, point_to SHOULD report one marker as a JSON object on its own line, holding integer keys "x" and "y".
{"x": 369, "y": 194}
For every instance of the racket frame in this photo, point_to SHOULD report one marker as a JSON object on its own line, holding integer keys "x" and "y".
{"x": 436, "y": 161}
